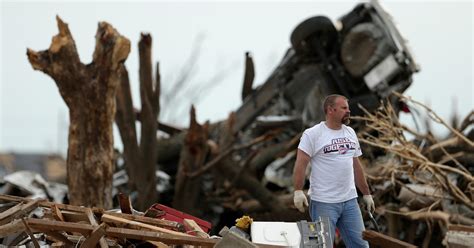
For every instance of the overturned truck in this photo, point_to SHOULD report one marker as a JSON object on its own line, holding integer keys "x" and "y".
{"x": 363, "y": 57}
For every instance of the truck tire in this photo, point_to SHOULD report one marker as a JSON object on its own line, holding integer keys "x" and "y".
{"x": 362, "y": 48}
{"x": 319, "y": 28}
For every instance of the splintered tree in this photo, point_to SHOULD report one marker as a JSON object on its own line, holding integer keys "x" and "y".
{"x": 140, "y": 158}
{"x": 89, "y": 92}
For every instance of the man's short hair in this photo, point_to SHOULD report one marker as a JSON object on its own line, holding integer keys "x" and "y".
{"x": 330, "y": 100}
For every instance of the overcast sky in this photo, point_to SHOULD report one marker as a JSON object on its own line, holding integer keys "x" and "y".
{"x": 34, "y": 118}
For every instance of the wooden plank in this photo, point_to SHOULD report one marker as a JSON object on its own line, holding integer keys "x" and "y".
{"x": 193, "y": 226}
{"x": 11, "y": 211}
{"x": 52, "y": 225}
{"x": 125, "y": 204}
{"x": 30, "y": 233}
{"x": 138, "y": 225}
{"x": 10, "y": 228}
{"x": 93, "y": 221}
{"x": 86, "y": 229}
{"x": 147, "y": 220}
{"x": 45, "y": 203}
{"x": 161, "y": 237}
{"x": 73, "y": 216}
{"x": 57, "y": 213}
{"x": 374, "y": 238}
{"x": 91, "y": 217}
{"x": 24, "y": 209}
{"x": 96, "y": 235}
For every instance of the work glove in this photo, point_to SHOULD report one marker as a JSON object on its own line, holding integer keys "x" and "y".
{"x": 369, "y": 203}
{"x": 300, "y": 200}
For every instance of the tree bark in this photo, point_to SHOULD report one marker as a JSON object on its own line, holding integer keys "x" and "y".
{"x": 149, "y": 94}
{"x": 125, "y": 119}
{"x": 89, "y": 92}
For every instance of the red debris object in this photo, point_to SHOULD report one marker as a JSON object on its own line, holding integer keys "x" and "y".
{"x": 178, "y": 216}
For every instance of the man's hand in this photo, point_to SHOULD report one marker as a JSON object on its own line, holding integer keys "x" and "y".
{"x": 369, "y": 202}
{"x": 300, "y": 200}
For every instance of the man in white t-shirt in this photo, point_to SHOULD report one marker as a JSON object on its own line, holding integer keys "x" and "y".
{"x": 332, "y": 149}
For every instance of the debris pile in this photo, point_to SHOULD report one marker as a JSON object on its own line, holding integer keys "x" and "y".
{"x": 243, "y": 165}
{"x": 42, "y": 223}
{"x": 421, "y": 186}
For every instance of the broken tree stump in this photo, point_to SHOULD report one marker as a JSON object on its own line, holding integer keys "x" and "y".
{"x": 89, "y": 93}
{"x": 193, "y": 156}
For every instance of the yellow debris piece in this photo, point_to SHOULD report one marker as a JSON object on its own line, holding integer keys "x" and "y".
{"x": 244, "y": 222}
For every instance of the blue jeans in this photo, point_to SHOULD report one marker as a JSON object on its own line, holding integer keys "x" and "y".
{"x": 345, "y": 216}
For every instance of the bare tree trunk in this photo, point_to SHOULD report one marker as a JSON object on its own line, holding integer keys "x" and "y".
{"x": 140, "y": 158}
{"x": 125, "y": 119}
{"x": 149, "y": 94}
{"x": 89, "y": 92}
{"x": 193, "y": 155}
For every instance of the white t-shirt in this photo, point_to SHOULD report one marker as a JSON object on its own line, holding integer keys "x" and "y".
{"x": 332, "y": 153}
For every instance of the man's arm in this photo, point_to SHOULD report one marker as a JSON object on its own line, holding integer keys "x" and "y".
{"x": 302, "y": 160}
{"x": 361, "y": 183}
{"x": 359, "y": 176}
{"x": 299, "y": 198}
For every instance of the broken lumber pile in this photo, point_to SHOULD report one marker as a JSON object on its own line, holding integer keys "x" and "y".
{"x": 24, "y": 220}
{"x": 421, "y": 186}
